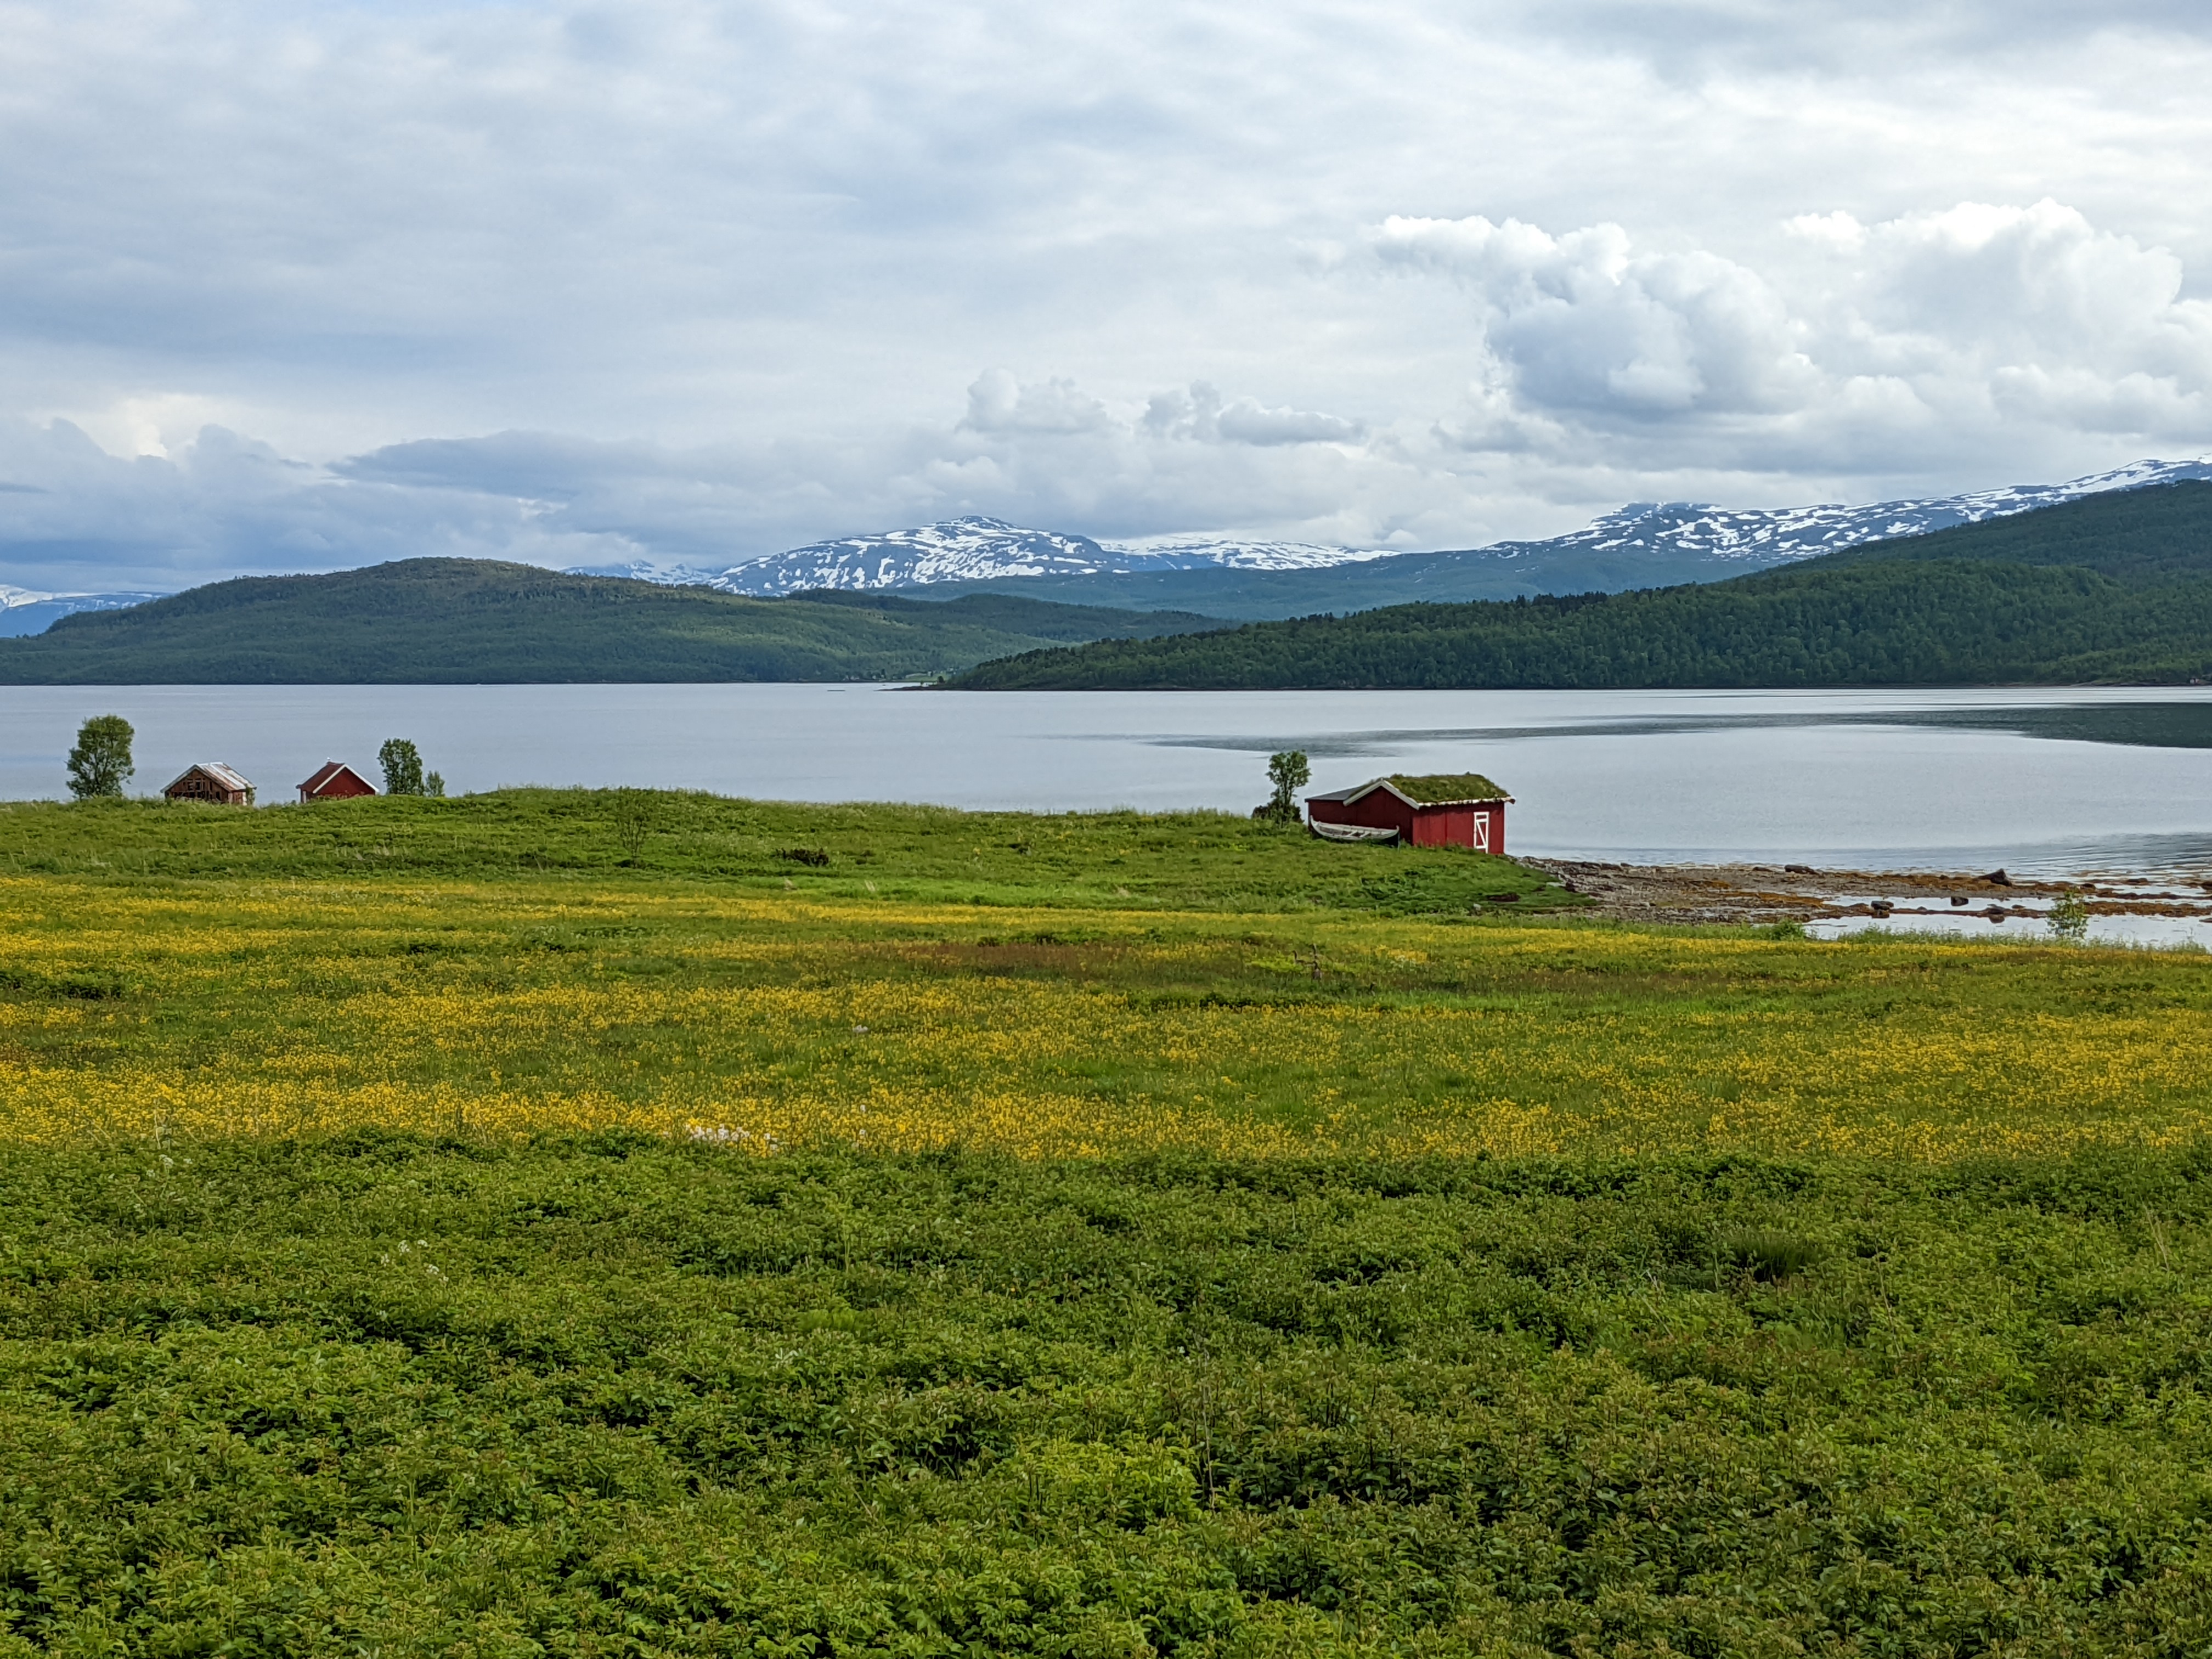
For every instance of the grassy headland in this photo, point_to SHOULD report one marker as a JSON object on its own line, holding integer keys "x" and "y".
{"x": 2112, "y": 587}
{"x": 1119, "y": 860}
{"x": 594, "y": 1223}
{"x": 441, "y": 621}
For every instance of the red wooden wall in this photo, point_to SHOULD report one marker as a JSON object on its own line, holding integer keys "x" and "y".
{"x": 1425, "y": 826}
{"x": 1378, "y": 809}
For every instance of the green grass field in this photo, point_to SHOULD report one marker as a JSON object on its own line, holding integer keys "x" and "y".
{"x": 579, "y": 1223}
{"x": 641, "y": 839}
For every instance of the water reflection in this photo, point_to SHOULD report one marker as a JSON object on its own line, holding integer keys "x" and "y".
{"x": 2151, "y": 725}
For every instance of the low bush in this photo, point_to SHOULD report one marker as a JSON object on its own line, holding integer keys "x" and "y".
{"x": 616, "y": 1395}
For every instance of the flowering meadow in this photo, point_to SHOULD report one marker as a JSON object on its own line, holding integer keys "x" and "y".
{"x": 766, "y": 1021}
{"x": 578, "y": 1224}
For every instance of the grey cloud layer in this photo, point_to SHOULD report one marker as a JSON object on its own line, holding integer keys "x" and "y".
{"x": 733, "y": 276}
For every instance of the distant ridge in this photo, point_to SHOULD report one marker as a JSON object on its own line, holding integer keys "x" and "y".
{"x": 444, "y": 621}
{"x": 2110, "y": 587}
{"x": 977, "y": 549}
{"x": 1643, "y": 544}
{"x": 1778, "y": 535}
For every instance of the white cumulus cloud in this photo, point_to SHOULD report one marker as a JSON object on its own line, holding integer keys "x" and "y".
{"x": 2002, "y": 325}
{"x": 1589, "y": 322}
{"x": 1199, "y": 415}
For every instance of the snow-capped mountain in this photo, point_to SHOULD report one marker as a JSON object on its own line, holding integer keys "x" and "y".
{"x": 640, "y": 570}
{"x": 1775, "y": 536}
{"x": 24, "y": 610}
{"x": 957, "y": 551}
{"x": 1233, "y": 553}
{"x": 978, "y": 548}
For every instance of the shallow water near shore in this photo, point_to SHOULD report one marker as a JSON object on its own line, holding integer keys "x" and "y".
{"x": 2047, "y": 782}
{"x": 2138, "y": 932}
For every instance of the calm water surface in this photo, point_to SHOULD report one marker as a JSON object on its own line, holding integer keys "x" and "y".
{"x": 2039, "y": 780}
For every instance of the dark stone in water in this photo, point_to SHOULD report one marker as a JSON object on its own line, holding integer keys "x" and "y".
{"x": 1959, "y": 898}
{"x": 1998, "y": 878}
{"x": 1800, "y": 870}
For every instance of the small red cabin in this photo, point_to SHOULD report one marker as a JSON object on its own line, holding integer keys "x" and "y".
{"x": 211, "y": 780}
{"x": 1459, "y": 809}
{"x": 335, "y": 782}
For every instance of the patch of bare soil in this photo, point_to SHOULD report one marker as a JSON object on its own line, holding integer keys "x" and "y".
{"x": 1797, "y": 892}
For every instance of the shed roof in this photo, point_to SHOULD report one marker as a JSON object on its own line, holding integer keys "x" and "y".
{"x": 223, "y": 777}
{"x": 328, "y": 774}
{"x": 1445, "y": 788}
{"x": 1426, "y": 789}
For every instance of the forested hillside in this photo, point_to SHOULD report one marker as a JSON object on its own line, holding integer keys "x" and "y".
{"x": 440, "y": 621}
{"x": 2112, "y": 588}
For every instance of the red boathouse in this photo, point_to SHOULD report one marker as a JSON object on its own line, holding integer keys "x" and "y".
{"x": 1458, "y": 809}
{"x": 335, "y": 782}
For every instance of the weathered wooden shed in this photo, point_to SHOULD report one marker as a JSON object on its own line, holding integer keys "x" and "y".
{"x": 211, "y": 780}
{"x": 335, "y": 782}
{"x": 1454, "y": 809}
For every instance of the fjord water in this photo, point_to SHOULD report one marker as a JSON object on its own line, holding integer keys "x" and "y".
{"x": 2046, "y": 782}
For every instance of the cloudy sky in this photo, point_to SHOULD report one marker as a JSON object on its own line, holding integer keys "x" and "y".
{"x": 302, "y": 286}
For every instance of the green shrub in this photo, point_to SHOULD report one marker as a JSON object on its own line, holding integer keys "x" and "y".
{"x": 611, "y": 1395}
{"x": 2069, "y": 918}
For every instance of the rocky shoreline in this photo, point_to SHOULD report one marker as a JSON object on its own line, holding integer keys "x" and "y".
{"x": 1770, "y": 893}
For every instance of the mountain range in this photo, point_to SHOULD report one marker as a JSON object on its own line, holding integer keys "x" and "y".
{"x": 2114, "y": 584}
{"x": 978, "y": 548}
{"x": 1643, "y": 544}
